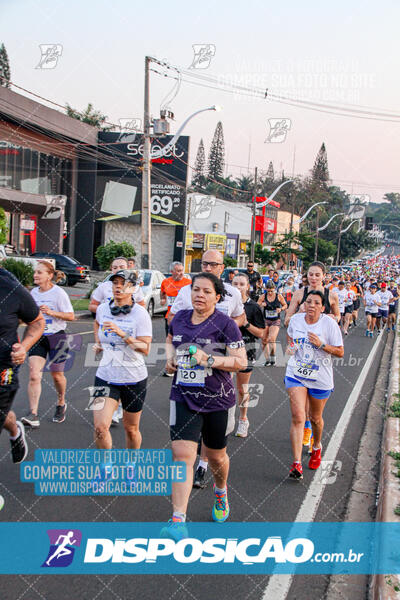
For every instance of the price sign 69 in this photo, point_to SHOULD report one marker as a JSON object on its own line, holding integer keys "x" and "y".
{"x": 163, "y": 204}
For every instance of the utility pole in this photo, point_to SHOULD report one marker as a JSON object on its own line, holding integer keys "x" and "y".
{"x": 253, "y": 224}
{"x": 316, "y": 236}
{"x": 339, "y": 241}
{"x": 146, "y": 177}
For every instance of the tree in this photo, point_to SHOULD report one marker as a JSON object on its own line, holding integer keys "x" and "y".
{"x": 320, "y": 171}
{"x": 270, "y": 172}
{"x": 89, "y": 115}
{"x": 199, "y": 175}
{"x": 3, "y": 226}
{"x": 216, "y": 157}
{"x": 5, "y": 73}
{"x": 106, "y": 254}
{"x": 229, "y": 261}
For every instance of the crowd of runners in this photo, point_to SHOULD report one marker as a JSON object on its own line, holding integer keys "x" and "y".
{"x": 215, "y": 334}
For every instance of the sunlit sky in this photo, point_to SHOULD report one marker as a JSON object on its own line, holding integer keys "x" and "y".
{"x": 338, "y": 52}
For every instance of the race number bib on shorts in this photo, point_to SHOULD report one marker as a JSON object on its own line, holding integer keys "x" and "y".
{"x": 305, "y": 370}
{"x": 189, "y": 375}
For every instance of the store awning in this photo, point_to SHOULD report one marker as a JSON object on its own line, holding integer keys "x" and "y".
{"x": 16, "y": 201}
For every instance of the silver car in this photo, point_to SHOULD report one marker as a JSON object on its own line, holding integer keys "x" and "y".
{"x": 151, "y": 289}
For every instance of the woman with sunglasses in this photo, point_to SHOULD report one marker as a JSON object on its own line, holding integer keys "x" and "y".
{"x": 123, "y": 332}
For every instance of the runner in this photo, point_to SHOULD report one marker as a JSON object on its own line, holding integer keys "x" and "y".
{"x": 272, "y": 304}
{"x": 341, "y": 294}
{"x": 348, "y": 307}
{"x": 170, "y": 287}
{"x": 393, "y": 305}
{"x": 103, "y": 293}
{"x": 123, "y": 332}
{"x": 312, "y": 338}
{"x": 16, "y": 304}
{"x": 357, "y": 289}
{"x": 386, "y": 297}
{"x": 254, "y": 280}
{"x": 231, "y": 305}
{"x": 371, "y": 303}
{"x": 202, "y": 397}
{"x": 253, "y": 329}
{"x": 56, "y": 307}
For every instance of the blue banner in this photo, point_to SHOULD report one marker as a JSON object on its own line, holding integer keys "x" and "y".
{"x": 232, "y": 548}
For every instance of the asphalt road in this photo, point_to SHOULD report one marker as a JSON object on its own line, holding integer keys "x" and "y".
{"x": 259, "y": 489}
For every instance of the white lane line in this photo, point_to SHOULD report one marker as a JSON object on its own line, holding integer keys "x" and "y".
{"x": 278, "y": 585}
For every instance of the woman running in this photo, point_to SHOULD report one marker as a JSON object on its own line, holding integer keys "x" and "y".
{"x": 123, "y": 332}
{"x": 313, "y": 338}
{"x": 203, "y": 347}
{"x": 272, "y": 304}
{"x": 372, "y": 304}
{"x": 251, "y": 330}
{"x": 55, "y": 306}
{"x": 348, "y": 307}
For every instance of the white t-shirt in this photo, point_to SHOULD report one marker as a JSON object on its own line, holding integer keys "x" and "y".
{"x": 120, "y": 364}
{"x": 56, "y": 299}
{"x": 104, "y": 293}
{"x": 350, "y": 295}
{"x": 341, "y": 294}
{"x": 370, "y": 302}
{"x": 309, "y": 365}
{"x": 232, "y": 304}
{"x": 384, "y": 299}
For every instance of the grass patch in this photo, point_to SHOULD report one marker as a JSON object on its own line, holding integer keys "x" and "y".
{"x": 394, "y": 410}
{"x": 396, "y": 457}
{"x": 80, "y": 303}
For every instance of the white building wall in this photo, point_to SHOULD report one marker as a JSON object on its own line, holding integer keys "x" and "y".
{"x": 162, "y": 241}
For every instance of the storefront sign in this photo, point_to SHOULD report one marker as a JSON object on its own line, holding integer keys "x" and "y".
{"x": 189, "y": 240}
{"x": 198, "y": 240}
{"x": 215, "y": 242}
{"x": 27, "y": 224}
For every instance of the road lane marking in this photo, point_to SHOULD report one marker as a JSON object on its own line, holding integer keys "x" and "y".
{"x": 278, "y": 585}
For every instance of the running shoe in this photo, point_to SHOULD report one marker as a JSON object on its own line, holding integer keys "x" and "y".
{"x": 296, "y": 471}
{"x": 243, "y": 427}
{"x": 393, "y": 327}
{"x": 19, "y": 447}
{"x": 307, "y": 433}
{"x": 120, "y": 411}
{"x": 31, "y": 420}
{"x": 388, "y": 329}
{"x": 267, "y": 363}
{"x": 220, "y": 510}
{"x": 59, "y": 415}
{"x": 165, "y": 374}
{"x": 366, "y": 333}
{"x": 315, "y": 459}
{"x": 115, "y": 418}
{"x": 175, "y": 530}
{"x": 272, "y": 361}
{"x": 199, "y": 478}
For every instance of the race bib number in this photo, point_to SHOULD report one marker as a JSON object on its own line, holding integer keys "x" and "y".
{"x": 170, "y": 300}
{"x": 189, "y": 375}
{"x": 48, "y": 325}
{"x": 306, "y": 371}
{"x": 271, "y": 314}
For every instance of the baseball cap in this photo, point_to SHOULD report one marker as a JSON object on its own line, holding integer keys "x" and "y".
{"x": 125, "y": 274}
{"x": 341, "y": 282}
{"x": 373, "y": 285}
{"x": 383, "y": 285}
{"x": 270, "y": 284}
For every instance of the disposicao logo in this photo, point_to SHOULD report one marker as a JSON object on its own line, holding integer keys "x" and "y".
{"x": 62, "y": 547}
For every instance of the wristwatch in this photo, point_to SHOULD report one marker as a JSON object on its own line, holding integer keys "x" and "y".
{"x": 322, "y": 346}
{"x": 246, "y": 325}
{"x": 210, "y": 361}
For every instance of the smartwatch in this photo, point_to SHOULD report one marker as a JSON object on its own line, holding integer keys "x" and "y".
{"x": 246, "y": 325}
{"x": 210, "y": 361}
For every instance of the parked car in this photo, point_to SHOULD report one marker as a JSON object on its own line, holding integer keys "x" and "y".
{"x": 4, "y": 253}
{"x": 225, "y": 273}
{"x": 74, "y": 271}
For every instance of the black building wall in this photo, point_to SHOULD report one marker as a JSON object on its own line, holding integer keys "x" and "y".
{"x": 86, "y": 211}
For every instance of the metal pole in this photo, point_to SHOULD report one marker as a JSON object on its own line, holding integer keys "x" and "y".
{"x": 316, "y": 237}
{"x": 339, "y": 242}
{"x": 253, "y": 225}
{"x": 146, "y": 178}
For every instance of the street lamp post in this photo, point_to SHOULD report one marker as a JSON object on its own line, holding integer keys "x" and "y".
{"x": 147, "y": 156}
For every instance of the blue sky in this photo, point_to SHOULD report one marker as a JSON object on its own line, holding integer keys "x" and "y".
{"x": 342, "y": 52}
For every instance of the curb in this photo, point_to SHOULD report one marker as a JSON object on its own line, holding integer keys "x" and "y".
{"x": 389, "y": 495}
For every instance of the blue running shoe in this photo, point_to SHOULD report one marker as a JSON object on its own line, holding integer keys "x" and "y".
{"x": 366, "y": 333}
{"x": 175, "y": 530}
{"x": 220, "y": 510}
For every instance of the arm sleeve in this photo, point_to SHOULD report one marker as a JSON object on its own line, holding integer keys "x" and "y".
{"x": 258, "y": 318}
{"x": 28, "y": 309}
{"x": 237, "y": 304}
{"x": 98, "y": 294}
{"x": 180, "y": 302}
{"x": 144, "y": 327}
{"x": 63, "y": 302}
